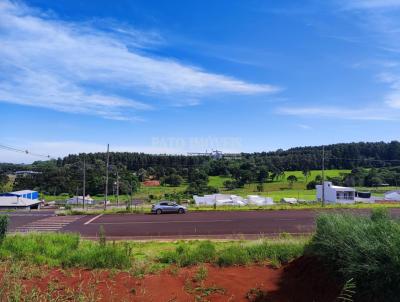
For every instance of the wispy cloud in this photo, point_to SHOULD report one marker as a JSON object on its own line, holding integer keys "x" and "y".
{"x": 371, "y": 4}
{"x": 392, "y": 98}
{"x": 305, "y": 127}
{"x": 80, "y": 68}
{"x": 366, "y": 114}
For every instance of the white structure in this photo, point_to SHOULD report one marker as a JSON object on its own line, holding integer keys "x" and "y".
{"x": 232, "y": 200}
{"x": 78, "y": 200}
{"x": 335, "y": 194}
{"x": 259, "y": 201}
{"x": 219, "y": 200}
{"x": 289, "y": 200}
{"x": 25, "y": 199}
{"x": 392, "y": 195}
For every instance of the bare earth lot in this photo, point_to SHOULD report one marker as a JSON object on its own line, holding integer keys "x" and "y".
{"x": 300, "y": 280}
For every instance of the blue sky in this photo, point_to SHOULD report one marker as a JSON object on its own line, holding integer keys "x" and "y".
{"x": 184, "y": 76}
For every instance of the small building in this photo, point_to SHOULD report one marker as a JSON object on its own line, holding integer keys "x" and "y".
{"x": 364, "y": 197}
{"x": 335, "y": 194}
{"x": 219, "y": 200}
{"x": 25, "y": 199}
{"x": 78, "y": 200}
{"x": 259, "y": 200}
{"x": 392, "y": 195}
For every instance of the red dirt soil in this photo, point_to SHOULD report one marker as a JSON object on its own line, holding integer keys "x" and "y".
{"x": 151, "y": 183}
{"x": 301, "y": 280}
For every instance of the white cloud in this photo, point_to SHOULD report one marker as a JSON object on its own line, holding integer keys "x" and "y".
{"x": 372, "y": 4}
{"x": 76, "y": 67}
{"x": 367, "y": 114}
{"x": 305, "y": 127}
{"x": 392, "y": 98}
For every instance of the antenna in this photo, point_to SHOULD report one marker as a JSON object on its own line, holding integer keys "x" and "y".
{"x": 323, "y": 175}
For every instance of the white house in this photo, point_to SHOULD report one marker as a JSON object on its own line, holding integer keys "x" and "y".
{"x": 392, "y": 195}
{"x": 335, "y": 194}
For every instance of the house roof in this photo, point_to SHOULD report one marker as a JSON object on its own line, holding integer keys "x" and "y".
{"x": 22, "y": 192}
{"x": 343, "y": 188}
{"x": 392, "y": 193}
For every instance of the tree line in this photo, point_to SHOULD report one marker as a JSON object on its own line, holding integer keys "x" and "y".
{"x": 64, "y": 175}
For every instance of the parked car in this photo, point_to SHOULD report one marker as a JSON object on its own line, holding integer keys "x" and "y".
{"x": 168, "y": 207}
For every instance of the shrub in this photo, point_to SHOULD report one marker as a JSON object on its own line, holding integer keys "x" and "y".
{"x": 93, "y": 255}
{"x": 186, "y": 255}
{"x": 233, "y": 255}
{"x": 364, "y": 249}
{"x": 58, "y": 249}
{"x": 3, "y": 227}
{"x": 276, "y": 252}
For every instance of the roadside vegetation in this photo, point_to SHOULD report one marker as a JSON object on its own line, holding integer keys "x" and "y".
{"x": 68, "y": 250}
{"x": 364, "y": 251}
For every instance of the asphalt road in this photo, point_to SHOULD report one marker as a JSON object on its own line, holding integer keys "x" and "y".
{"x": 218, "y": 224}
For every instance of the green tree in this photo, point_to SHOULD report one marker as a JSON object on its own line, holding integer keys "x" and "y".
{"x": 173, "y": 180}
{"x": 291, "y": 179}
{"x": 306, "y": 173}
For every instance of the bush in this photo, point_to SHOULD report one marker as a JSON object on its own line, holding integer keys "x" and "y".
{"x": 3, "y": 227}
{"x": 312, "y": 185}
{"x": 93, "y": 256}
{"x": 277, "y": 252}
{"x": 233, "y": 255}
{"x": 58, "y": 249}
{"x": 365, "y": 249}
{"x": 186, "y": 254}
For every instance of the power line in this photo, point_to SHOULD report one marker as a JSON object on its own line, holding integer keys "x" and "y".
{"x": 17, "y": 150}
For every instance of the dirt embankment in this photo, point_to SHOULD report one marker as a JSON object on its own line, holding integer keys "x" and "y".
{"x": 302, "y": 280}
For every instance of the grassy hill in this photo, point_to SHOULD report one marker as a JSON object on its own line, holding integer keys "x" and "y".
{"x": 276, "y": 189}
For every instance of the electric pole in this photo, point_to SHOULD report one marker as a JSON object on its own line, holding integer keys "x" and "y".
{"x": 84, "y": 182}
{"x": 117, "y": 189}
{"x": 107, "y": 163}
{"x": 323, "y": 175}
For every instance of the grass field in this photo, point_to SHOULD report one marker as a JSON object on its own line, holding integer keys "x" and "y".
{"x": 277, "y": 189}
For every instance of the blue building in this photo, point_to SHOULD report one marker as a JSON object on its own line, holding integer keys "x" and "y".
{"x": 25, "y": 199}
{"x": 28, "y": 194}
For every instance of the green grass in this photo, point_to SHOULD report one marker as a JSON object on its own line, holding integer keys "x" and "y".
{"x": 277, "y": 189}
{"x": 68, "y": 250}
{"x": 235, "y": 253}
{"x": 363, "y": 249}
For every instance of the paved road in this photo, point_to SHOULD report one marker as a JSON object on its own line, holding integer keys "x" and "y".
{"x": 247, "y": 224}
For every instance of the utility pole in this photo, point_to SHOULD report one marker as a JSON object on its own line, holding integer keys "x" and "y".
{"x": 107, "y": 163}
{"x": 117, "y": 189}
{"x": 84, "y": 182}
{"x": 323, "y": 175}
